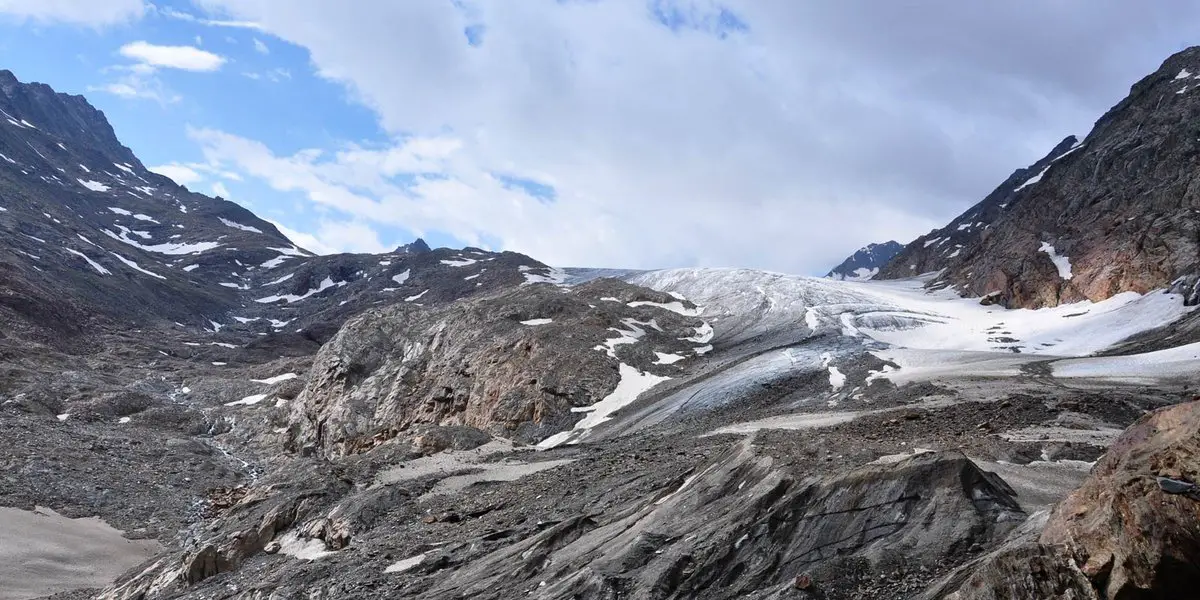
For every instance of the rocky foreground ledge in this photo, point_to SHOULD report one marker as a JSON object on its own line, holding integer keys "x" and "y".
{"x": 1131, "y": 531}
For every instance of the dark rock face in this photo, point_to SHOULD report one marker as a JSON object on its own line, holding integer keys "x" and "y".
{"x": 934, "y": 250}
{"x": 866, "y": 262}
{"x": 1117, "y": 213}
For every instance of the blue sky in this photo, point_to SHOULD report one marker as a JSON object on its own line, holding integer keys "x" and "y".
{"x": 623, "y": 133}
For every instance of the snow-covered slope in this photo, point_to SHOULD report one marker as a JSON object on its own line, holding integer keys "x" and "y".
{"x": 744, "y": 304}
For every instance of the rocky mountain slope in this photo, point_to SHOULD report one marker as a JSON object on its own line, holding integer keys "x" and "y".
{"x": 264, "y": 424}
{"x": 1113, "y": 213}
{"x": 866, "y": 262}
{"x": 92, "y": 239}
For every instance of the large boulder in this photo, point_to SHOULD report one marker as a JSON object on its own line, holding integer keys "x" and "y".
{"x": 1139, "y": 540}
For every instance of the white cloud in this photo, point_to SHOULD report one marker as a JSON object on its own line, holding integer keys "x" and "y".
{"x": 134, "y": 86}
{"x": 188, "y": 58}
{"x": 786, "y": 143}
{"x": 184, "y": 16}
{"x": 335, "y": 237}
{"x": 219, "y": 189}
{"x": 181, "y": 174}
{"x": 260, "y": 47}
{"x": 92, "y": 13}
{"x": 350, "y": 236}
{"x": 421, "y": 185}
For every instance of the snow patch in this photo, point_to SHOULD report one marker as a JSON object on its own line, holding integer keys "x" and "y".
{"x": 237, "y": 225}
{"x": 667, "y": 359}
{"x": 280, "y": 280}
{"x": 276, "y": 379}
{"x": 417, "y": 297}
{"x": 675, "y": 307}
{"x": 627, "y": 336}
{"x": 99, "y": 269}
{"x": 248, "y": 400}
{"x": 537, "y": 322}
{"x": 633, "y": 383}
{"x": 401, "y": 278}
{"x": 95, "y": 186}
{"x": 460, "y": 263}
{"x": 1062, "y": 263}
{"x": 552, "y": 276}
{"x": 1181, "y": 361}
{"x": 135, "y": 267}
{"x": 704, "y": 334}
{"x": 168, "y": 248}
{"x": 290, "y": 298}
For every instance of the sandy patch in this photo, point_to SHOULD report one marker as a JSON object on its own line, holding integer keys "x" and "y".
{"x": 44, "y": 553}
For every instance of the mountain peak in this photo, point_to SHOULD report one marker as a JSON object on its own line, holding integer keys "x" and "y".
{"x": 417, "y": 246}
{"x": 70, "y": 118}
{"x": 866, "y": 262}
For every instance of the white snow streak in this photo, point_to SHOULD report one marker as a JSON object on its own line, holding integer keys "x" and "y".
{"x": 1062, "y": 263}
{"x": 290, "y": 298}
{"x": 237, "y": 225}
{"x": 135, "y": 267}
{"x": 633, "y": 383}
{"x": 94, "y": 264}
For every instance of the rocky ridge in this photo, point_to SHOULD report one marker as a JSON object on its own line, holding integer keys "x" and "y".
{"x": 1115, "y": 212}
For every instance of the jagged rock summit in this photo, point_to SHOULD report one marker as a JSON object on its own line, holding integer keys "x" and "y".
{"x": 866, "y": 262}
{"x": 1114, "y": 212}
